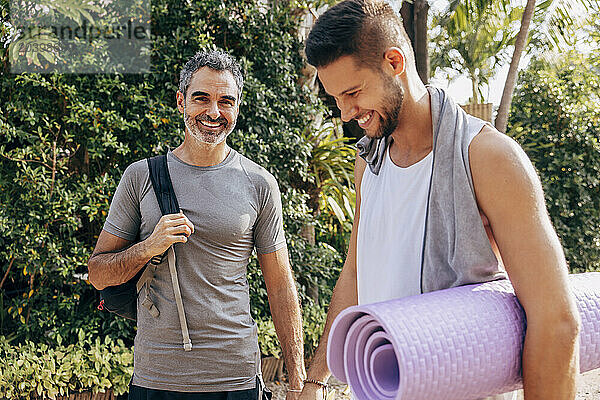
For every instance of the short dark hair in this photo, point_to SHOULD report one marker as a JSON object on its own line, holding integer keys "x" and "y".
{"x": 213, "y": 59}
{"x": 360, "y": 28}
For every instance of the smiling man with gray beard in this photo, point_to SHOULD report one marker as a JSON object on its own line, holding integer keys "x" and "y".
{"x": 229, "y": 207}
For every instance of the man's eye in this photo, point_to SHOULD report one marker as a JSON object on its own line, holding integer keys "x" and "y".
{"x": 353, "y": 94}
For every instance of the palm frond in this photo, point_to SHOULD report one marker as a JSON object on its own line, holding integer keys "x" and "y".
{"x": 331, "y": 167}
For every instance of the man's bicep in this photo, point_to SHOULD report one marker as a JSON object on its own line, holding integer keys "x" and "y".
{"x": 124, "y": 215}
{"x": 510, "y": 195}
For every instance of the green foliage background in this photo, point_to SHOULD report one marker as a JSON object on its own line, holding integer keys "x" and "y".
{"x": 34, "y": 370}
{"x": 556, "y": 118}
{"x": 66, "y": 139}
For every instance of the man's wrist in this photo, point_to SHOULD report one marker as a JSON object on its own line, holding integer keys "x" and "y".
{"x": 317, "y": 374}
{"x": 311, "y": 388}
{"x": 316, "y": 382}
{"x": 296, "y": 373}
{"x": 148, "y": 252}
{"x": 296, "y": 381}
{"x": 144, "y": 249}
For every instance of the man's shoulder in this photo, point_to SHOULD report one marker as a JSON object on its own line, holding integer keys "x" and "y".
{"x": 136, "y": 170}
{"x": 495, "y": 157}
{"x": 257, "y": 174}
{"x": 139, "y": 165}
{"x": 490, "y": 146}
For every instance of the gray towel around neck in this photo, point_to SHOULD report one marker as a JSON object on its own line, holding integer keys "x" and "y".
{"x": 456, "y": 248}
{"x": 372, "y": 150}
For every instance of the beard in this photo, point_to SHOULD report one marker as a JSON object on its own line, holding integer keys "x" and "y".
{"x": 207, "y": 136}
{"x": 391, "y": 111}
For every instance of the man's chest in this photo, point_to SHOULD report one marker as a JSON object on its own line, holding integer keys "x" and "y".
{"x": 222, "y": 212}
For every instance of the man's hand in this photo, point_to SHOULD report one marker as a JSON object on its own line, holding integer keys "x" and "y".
{"x": 116, "y": 260}
{"x": 311, "y": 392}
{"x": 292, "y": 395}
{"x": 171, "y": 229}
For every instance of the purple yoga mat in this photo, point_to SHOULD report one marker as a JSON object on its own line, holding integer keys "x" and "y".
{"x": 460, "y": 343}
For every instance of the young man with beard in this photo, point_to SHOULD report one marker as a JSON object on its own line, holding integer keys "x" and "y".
{"x": 229, "y": 206}
{"x": 442, "y": 198}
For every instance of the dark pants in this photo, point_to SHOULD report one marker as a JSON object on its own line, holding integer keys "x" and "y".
{"x": 140, "y": 393}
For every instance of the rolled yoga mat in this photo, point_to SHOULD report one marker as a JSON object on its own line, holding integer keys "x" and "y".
{"x": 460, "y": 343}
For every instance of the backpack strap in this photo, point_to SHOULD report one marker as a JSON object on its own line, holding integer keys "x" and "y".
{"x": 144, "y": 282}
{"x": 163, "y": 187}
{"x": 167, "y": 201}
{"x": 187, "y": 343}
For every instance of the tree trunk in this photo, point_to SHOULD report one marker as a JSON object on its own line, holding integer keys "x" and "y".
{"x": 474, "y": 83}
{"x": 511, "y": 80}
{"x": 414, "y": 17}
{"x": 421, "y": 50}
{"x": 407, "y": 12}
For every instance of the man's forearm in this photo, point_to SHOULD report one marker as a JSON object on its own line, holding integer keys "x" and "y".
{"x": 551, "y": 361}
{"x": 111, "y": 269}
{"x": 287, "y": 319}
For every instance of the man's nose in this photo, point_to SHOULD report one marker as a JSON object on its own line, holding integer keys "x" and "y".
{"x": 213, "y": 110}
{"x": 348, "y": 110}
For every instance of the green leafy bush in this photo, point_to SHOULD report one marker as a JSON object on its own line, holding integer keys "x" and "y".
{"x": 316, "y": 265}
{"x": 330, "y": 186}
{"x": 38, "y": 370}
{"x": 267, "y": 338}
{"x": 313, "y": 321}
{"x": 556, "y": 118}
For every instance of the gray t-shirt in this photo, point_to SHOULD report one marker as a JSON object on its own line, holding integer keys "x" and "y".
{"x": 235, "y": 206}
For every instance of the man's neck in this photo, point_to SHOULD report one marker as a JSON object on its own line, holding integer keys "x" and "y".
{"x": 200, "y": 154}
{"x": 413, "y": 137}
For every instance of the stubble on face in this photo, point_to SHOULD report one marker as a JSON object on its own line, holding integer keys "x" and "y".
{"x": 391, "y": 109}
{"x": 206, "y": 136}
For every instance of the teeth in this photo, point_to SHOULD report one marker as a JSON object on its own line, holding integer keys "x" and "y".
{"x": 210, "y": 124}
{"x": 364, "y": 118}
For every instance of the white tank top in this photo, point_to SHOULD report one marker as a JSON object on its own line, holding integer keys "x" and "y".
{"x": 391, "y": 228}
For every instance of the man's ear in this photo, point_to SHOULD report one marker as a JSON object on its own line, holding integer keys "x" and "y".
{"x": 180, "y": 101}
{"x": 395, "y": 59}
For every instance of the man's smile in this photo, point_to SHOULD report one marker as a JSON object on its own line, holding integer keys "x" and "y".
{"x": 365, "y": 119}
{"x": 210, "y": 124}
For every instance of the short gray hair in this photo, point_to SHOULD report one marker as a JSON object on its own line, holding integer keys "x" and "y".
{"x": 214, "y": 59}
